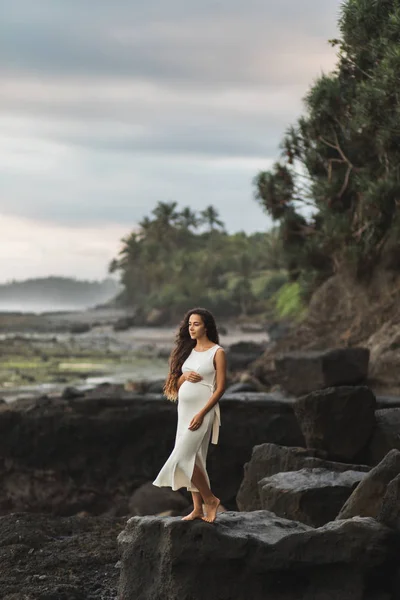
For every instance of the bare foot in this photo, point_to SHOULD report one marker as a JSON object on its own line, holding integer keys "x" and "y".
{"x": 211, "y": 510}
{"x": 195, "y": 514}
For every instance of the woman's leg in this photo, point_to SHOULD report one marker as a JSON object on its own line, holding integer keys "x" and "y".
{"x": 211, "y": 502}
{"x": 197, "y": 512}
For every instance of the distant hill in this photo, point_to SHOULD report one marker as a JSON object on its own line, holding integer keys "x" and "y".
{"x": 55, "y": 293}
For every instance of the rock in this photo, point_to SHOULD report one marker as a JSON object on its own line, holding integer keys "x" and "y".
{"x": 366, "y": 500}
{"x": 268, "y": 459}
{"x": 124, "y": 323}
{"x": 151, "y": 500}
{"x": 389, "y": 513}
{"x": 2, "y": 401}
{"x": 155, "y": 387}
{"x": 255, "y": 555}
{"x": 307, "y": 371}
{"x": 57, "y": 558}
{"x": 278, "y": 330}
{"x": 311, "y": 496}
{"x": 238, "y": 388}
{"x": 242, "y": 354}
{"x": 71, "y": 392}
{"x": 387, "y": 402}
{"x": 78, "y": 328}
{"x": 338, "y": 420}
{"x": 386, "y": 434}
{"x": 92, "y": 453}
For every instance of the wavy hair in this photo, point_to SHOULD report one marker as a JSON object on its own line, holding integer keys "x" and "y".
{"x": 183, "y": 347}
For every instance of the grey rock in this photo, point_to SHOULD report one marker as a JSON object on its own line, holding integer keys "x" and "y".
{"x": 254, "y": 555}
{"x": 311, "y": 496}
{"x": 79, "y": 328}
{"x": 387, "y": 402}
{"x": 155, "y": 387}
{"x": 306, "y": 371}
{"x": 338, "y": 420}
{"x": 386, "y": 434}
{"x": 125, "y": 323}
{"x": 389, "y": 513}
{"x": 367, "y": 498}
{"x": 238, "y": 388}
{"x": 268, "y": 459}
{"x": 240, "y": 355}
{"x": 151, "y": 500}
{"x": 71, "y": 392}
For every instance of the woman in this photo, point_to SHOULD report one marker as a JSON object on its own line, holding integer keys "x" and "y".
{"x": 197, "y": 379}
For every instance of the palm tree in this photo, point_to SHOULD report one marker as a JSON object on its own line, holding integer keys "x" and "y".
{"x": 188, "y": 218}
{"x": 166, "y": 214}
{"x": 210, "y": 217}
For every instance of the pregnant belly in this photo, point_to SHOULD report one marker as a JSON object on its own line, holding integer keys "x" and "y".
{"x": 193, "y": 392}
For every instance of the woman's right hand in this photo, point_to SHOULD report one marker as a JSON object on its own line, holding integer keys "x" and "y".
{"x": 192, "y": 376}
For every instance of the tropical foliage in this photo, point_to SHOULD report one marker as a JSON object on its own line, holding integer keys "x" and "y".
{"x": 336, "y": 190}
{"x": 180, "y": 258}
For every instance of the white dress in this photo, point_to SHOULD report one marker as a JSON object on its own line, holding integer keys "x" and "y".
{"x": 192, "y": 446}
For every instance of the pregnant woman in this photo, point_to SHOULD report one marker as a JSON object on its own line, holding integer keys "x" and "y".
{"x": 197, "y": 380}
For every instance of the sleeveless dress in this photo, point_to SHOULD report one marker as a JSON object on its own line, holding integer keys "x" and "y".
{"x": 192, "y": 446}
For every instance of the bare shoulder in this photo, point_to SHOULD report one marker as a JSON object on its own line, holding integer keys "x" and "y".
{"x": 219, "y": 356}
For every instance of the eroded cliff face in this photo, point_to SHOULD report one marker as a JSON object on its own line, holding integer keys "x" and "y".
{"x": 346, "y": 313}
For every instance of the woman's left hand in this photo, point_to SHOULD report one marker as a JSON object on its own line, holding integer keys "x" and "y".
{"x": 196, "y": 422}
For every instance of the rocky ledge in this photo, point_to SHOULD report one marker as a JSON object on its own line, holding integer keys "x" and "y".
{"x": 67, "y": 455}
{"x": 257, "y": 555}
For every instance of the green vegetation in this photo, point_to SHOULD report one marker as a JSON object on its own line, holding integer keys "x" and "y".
{"x": 33, "y": 361}
{"x": 289, "y": 301}
{"x": 335, "y": 194}
{"x": 179, "y": 259}
{"x": 336, "y": 190}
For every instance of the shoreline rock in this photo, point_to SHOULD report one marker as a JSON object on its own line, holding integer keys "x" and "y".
{"x": 255, "y": 555}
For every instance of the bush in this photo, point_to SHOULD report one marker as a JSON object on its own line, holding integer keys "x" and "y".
{"x": 289, "y": 301}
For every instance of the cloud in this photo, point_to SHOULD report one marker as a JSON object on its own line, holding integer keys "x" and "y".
{"x": 108, "y": 108}
{"x": 31, "y": 248}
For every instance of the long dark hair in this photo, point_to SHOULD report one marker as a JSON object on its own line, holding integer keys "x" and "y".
{"x": 183, "y": 347}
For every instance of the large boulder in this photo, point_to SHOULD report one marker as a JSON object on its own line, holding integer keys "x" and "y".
{"x": 338, "y": 420}
{"x": 268, "y": 459}
{"x": 92, "y": 453}
{"x": 389, "y": 513}
{"x": 311, "y": 496}
{"x": 255, "y": 555}
{"x": 367, "y": 498}
{"x": 386, "y": 434}
{"x": 305, "y": 371}
{"x": 242, "y": 354}
{"x": 151, "y": 500}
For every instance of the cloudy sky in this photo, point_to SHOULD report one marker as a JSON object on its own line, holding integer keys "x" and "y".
{"x": 109, "y": 107}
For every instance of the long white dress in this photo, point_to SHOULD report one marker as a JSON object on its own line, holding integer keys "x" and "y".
{"x": 192, "y": 446}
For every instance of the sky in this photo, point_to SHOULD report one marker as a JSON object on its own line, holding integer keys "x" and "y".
{"x": 107, "y": 108}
